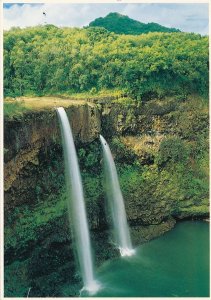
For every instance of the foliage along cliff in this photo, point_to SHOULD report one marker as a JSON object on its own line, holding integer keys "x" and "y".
{"x": 121, "y": 24}
{"x": 161, "y": 152}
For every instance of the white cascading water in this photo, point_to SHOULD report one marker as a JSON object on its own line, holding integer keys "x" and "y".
{"x": 76, "y": 206}
{"x": 116, "y": 203}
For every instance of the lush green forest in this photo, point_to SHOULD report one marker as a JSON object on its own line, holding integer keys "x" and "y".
{"x": 121, "y": 24}
{"x": 46, "y": 60}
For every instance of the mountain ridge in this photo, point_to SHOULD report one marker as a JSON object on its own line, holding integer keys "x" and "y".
{"x": 121, "y": 24}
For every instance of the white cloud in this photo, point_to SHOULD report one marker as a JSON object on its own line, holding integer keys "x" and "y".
{"x": 21, "y": 16}
{"x": 186, "y": 17}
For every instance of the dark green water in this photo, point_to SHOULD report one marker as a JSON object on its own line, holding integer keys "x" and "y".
{"x": 176, "y": 264}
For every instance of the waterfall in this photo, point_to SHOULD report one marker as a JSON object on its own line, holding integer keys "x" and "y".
{"x": 76, "y": 206}
{"x": 116, "y": 203}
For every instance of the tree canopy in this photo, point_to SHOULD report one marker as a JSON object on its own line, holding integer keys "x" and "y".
{"x": 47, "y": 60}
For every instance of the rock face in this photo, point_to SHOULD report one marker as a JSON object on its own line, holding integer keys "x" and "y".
{"x": 37, "y": 235}
{"x": 25, "y": 140}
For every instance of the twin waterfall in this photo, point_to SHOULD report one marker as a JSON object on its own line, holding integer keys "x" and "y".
{"x": 77, "y": 210}
{"x": 76, "y": 206}
{"x": 116, "y": 202}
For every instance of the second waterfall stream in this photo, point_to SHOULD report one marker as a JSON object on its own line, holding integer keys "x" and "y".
{"x": 116, "y": 203}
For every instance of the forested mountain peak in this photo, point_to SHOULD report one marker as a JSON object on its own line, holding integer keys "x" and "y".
{"x": 121, "y": 24}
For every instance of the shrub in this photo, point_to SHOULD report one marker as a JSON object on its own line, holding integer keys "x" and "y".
{"x": 172, "y": 150}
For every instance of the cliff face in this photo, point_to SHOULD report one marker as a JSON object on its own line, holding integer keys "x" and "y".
{"x": 26, "y": 139}
{"x": 37, "y": 235}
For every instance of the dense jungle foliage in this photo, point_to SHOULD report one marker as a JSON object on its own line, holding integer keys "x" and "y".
{"x": 46, "y": 60}
{"x": 121, "y": 24}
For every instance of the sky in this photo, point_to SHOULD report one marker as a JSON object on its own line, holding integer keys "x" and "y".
{"x": 188, "y": 17}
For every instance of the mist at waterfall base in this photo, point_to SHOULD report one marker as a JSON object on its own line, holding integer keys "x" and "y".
{"x": 76, "y": 206}
{"x": 173, "y": 265}
{"x": 116, "y": 203}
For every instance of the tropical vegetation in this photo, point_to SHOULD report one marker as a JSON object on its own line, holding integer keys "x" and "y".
{"x": 47, "y": 60}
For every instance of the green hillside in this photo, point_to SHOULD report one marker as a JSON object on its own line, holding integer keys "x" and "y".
{"x": 121, "y": 24}
{"x": 47, "y": 60}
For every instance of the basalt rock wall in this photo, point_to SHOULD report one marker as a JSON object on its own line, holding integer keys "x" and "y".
{"x": 36, "y": 224}
{"x": 28, "y": 139}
